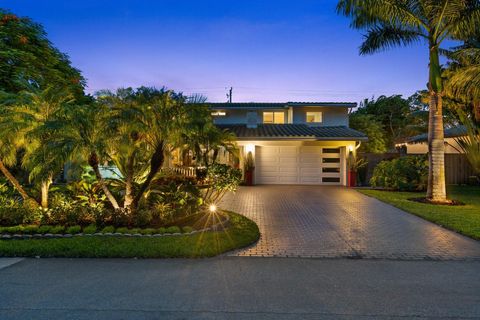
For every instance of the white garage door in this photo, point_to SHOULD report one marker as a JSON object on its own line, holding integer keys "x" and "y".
{"x": 297, "y": 165}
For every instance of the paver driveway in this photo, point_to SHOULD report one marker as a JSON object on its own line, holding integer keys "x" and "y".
{"x": 324, "y": 221}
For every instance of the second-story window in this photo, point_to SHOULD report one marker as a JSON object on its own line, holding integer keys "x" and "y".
{"x": 273, "y": 117}
{"x": 314, "y": 117}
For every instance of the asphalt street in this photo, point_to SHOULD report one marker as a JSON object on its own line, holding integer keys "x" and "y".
{"x": 238, "y": 288}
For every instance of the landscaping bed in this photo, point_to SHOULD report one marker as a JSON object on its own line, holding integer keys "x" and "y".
{"x": 464, "y": 219}
{"x": 239, "y": 233}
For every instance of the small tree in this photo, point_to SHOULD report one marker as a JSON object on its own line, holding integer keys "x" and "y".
{"x": 221, "y": 178}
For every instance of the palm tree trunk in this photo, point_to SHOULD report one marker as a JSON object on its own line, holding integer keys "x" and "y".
{"x": 93, "y": 162}
{"x": 156, "y": 164}
{"x": 14, "y": 182}
{"x": 436, "y": 190}
{"x": 44, "y": 188}
{"x": 129, "y": 183}
{"x": 476, "y": 111}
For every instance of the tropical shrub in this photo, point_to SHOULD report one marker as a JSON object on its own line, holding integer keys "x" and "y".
{"x": 122, "y": 230}
{"x": 108, "y": 229}
{"x": 187, "y": 229}
{"x": 173, "y": 229}
{"x": 134, "y": 231}
{"x": 147, "y": 231}
{"x": 30, "y": 229}
{"x": 90, "y": 229}
{"x": 142, "y": 218}
{"x": 221, "y": 179}
{"x": 44, "y": 229}
{"x": 74, "y": 229}
{"x": 57, "y": 230}
{"x": 172, "y": 197}
{"x": 13, "y": 213}
{"x": 405, "y": 174}
{"x": 161, "y": 230}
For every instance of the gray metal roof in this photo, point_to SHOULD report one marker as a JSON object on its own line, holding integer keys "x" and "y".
{"x": 278, "y": 105}
{"x": 449, "y": 133}
{"x": 293, "y": 132}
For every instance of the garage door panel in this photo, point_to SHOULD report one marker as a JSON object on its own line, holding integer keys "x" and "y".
{"x": 268, "y": 163}
{"x": 310, "y": 171}
{"x": 313, "y": 161}
{"x": 288, "y": 170}
{"x": 267, "y": 180}
{"x": 288, "y": 150}
{"x": 308, "y": 150}
{"x": 288, "y": 180}
{"x": 310, "y": 180}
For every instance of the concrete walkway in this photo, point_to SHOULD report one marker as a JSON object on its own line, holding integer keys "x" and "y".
{"x": 333, "y": 222}
{"x": 239, "y": 288}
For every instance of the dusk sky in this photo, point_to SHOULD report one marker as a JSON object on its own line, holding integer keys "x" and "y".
{"x": 268, "y": 50}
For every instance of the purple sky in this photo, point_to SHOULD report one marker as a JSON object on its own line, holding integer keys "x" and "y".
{"x": 268, "y": 50}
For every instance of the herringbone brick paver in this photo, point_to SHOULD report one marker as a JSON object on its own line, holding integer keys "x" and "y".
{"x": 333, "y": 222}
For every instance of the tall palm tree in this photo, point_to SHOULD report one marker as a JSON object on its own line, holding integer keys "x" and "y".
{"x": 391, "y": 23}
{"x": 82, "y": 135}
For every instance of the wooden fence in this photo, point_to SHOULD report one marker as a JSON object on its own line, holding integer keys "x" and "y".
{"x": 457, "y": 168}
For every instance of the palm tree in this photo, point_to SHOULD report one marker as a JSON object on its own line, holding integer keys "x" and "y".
{"x": 10, "y": 143}
{"x": 82, "y": 135}
{"x": 145, "y": 121}
{"x": 391, "y": 23}
{"x": 470, "y": 143}
{"x": 27, "y": 118}
{"x": 463, "y": 75}
{"x": 202, "y": 136}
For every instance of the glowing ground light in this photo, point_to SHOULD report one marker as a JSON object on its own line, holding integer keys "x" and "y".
{"x": 212, "y": 208}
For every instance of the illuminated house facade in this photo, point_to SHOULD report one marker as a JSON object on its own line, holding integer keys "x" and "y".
{"x": 293, "y": 142}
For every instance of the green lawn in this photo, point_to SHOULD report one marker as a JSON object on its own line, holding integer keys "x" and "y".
{"x": 463, "y": 219}
{"x": 241, "y": 233}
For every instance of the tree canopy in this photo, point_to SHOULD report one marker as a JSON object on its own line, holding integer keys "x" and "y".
{"x": 28, "y": 59}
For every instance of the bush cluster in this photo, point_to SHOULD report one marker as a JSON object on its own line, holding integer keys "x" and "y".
{"x": 408, "y": 173}
{"x": 91, "y": 229}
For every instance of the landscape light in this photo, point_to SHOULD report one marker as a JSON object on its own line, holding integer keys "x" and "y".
{"x": 212, "y": 208}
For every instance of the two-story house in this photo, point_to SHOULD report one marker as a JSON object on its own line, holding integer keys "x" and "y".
{"x": 293, "y": 142}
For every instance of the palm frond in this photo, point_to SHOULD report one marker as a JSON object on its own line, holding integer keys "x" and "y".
{"x": 368, "y": 13}
{"x": 382, "y": 37}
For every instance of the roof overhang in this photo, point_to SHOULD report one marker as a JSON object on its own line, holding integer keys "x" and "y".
{"x": 363, "y": 139}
